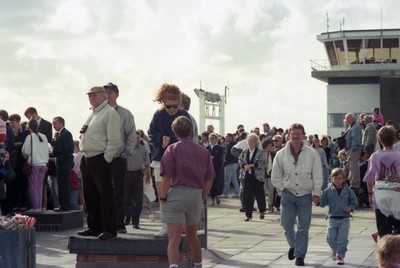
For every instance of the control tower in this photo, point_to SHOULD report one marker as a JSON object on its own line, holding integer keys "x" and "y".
{"x": 362, "y": 72}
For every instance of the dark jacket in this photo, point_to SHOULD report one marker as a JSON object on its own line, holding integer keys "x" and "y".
{"x": 64, "y": 148}
{"x": 161, "y": 126}
{"x": 229, "y": 157}
{"x": 46, "y": 128}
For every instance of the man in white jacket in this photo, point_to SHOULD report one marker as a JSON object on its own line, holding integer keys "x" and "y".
{"x": 297, "y": 174}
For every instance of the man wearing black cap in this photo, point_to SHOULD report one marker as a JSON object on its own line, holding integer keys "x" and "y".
{"x": 100, "y": 142}
{"x": 119, "y": 165}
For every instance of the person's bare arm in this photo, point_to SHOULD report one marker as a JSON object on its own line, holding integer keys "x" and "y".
{"x": 165, "y": 184}
{"x": 206, "y": 189}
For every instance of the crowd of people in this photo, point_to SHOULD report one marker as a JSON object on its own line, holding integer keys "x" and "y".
{"x": 110, "y": 169}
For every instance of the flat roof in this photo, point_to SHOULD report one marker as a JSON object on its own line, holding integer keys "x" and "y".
{"x": 374, "y": 33}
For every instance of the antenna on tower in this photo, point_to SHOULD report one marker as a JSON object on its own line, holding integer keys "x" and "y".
{"x": 381, "y": 16}
{"x": 342, "y": 24}
{"x": 226, "y": 91}
{"x": 327, "y": 22}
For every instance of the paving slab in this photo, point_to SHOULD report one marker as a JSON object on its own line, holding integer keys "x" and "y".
{"x": 235, "y": 243}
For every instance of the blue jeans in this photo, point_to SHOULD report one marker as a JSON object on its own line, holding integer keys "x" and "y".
{"x": 74, "y": 199}
{"x": 325, "y": 176}
{"x": 231, "y": 177}
{"x": 337, "y": 234}
{"x": 299, "y": 207}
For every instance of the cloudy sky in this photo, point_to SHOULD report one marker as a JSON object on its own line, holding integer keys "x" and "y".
{"x": 52, "y": 52}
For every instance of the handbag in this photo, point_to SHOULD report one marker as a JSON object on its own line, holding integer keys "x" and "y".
{"x": 27, "y": 167}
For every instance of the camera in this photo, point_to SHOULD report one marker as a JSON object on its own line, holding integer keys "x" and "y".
{"x": 83, "y": 129}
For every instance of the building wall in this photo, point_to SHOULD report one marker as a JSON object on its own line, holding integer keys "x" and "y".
{"x": 344, "y": 98}
{"x": 390, "y": 99}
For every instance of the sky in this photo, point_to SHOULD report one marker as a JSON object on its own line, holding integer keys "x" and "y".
{"x": 52, "y": 52}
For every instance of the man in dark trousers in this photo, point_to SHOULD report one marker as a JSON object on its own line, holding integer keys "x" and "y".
{"x": 63, "y": 151}
{"x": 100, "y": 142}
{"x": 119, "y": 164}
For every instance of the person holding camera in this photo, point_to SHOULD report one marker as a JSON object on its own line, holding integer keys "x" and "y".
{"x": 100, "y": 142}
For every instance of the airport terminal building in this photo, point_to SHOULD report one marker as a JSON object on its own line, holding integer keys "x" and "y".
{"x": 362, "y": 72}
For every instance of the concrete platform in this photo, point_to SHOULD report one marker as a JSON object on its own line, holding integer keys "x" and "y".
{"x": 235, "y": 243}
{"x": 50, "y": 221}
{"x": 127, "y": 250}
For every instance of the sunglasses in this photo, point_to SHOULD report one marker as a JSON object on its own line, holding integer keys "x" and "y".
{"x": 171, "y": 106}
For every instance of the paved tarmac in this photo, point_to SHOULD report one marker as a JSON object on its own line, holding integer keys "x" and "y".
{"x": 235, "y": 243}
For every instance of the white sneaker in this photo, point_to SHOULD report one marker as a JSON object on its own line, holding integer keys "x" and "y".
{"x": 333, "y": 255}
{"x": 163, "y": 232}
{"x": 340, "y": 260}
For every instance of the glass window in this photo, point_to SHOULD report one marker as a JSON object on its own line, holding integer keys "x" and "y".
{"x": 340, "y": 52}
{"x": 354, "y": 47}
{"x": 372, "y": 51}
{"x": 391, "y": 50}
{"x": 331, "y": 53}
{"x": 336, "y": 120}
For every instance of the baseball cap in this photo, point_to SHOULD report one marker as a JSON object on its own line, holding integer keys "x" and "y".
{"x": 112, "y": 87}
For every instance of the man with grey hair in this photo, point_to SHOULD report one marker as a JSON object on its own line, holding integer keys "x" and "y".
{"x": 353, "y": 136}
{"x": 369, "y": 138}
{"x": 100, "y": 143}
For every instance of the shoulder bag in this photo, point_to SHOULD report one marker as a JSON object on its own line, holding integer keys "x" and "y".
{"x": 27, "y": 167}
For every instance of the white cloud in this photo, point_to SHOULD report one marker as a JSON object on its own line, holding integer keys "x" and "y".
{"x": 70, "y": 17}
{"x": 56, "y": 50}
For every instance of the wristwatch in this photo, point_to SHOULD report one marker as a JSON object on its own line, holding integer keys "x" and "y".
{"x": 164, "y": 199}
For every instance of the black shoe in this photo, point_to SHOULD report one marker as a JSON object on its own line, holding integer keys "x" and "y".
{"x": 242, "y": 209}
{"x": 136, "y": 226}
{"x": 122, "y": 230}
{"x": 299, "y": 261}
{"x": 247, "y": 219}
{"x": 106, "y": 235}
{"x": 88, "y": 232}
{"x": 290, "y": 254}
{"x": 262, "y": 216}
{"x": 127, "y": 221}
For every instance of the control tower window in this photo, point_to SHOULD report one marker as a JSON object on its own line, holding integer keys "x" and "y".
{"x": 372, "y": 51}
{"x": 340, "y": 52}
{"x": 391, "y": 50}
{"x": 354, "y": 47}
{"x": 330, "y": 49}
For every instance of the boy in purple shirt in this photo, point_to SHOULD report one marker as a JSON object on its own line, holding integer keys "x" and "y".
{"x": 383, "y": 181}
{"x": 187, "y": 176}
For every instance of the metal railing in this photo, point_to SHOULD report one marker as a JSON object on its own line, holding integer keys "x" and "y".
{"x": 320, "y": 65}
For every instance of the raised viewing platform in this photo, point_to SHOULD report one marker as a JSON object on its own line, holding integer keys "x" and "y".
{"x": 50, "y": 221}
{"x": 134, "y": 249}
